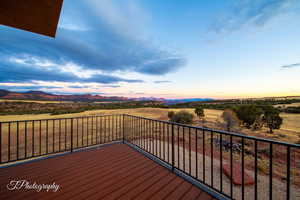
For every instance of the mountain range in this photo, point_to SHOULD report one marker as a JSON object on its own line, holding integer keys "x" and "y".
{"x": 40, "y": 95}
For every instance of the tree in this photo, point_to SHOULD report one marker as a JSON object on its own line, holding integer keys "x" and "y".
{"x": 271, "y": 118}
{"x": 248, "y": 114}
{"x": 182, "y": 117}
{"x": 171, "y": 114}
{"x": 199, "y": 111}
{"x": 230, "y": 118}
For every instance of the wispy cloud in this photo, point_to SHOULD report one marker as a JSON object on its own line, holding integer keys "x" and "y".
{"x": 291, "y": 66}
{"x": 254, "y": 12}
{"x": 162, "y": 82}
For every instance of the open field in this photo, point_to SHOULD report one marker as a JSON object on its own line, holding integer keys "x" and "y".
{"x": 289, "y": 132}
{"x": 288, "y": 105}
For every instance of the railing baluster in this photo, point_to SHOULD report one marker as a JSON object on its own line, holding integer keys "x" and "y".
{"x": 203, "y": 151}
{"x": 211, "y": 159}
{"x": 33, "y": 150}
{"x": 159, "y": 128}
{"x": 255, "y": 170}
{"x": 156, "y": 139}
{"x": 271, "y": 172}
{"x": 231, "y": 168}
{"x": 24, "y": 141}
{"x": 77, "y": 133}
{"x": 101, "y": 136}
{"x": 40, "y": 137}
{"x": 9, "y": 141}
{"x": 196, "y": 148}
{"x": 66, "y": 134}
{"x": 288, "y": 172}
{"x": 53, "y": 135}
{"x": 152, "y": 135}
{"x": 183, "y": 151}
{"x": 144, "y": 133}
{"x": 72, "y": 135}
{"x": 173, "y": 153}
{"x": 92, "y": 142}
{"x": 140, "y": 133}
{"x": 82, "y": 131}
{"x": 97, "y": 130}
{"x": 17, "y": 140}
{"x": 47, "y": 135}
{"x": 123, "y": 128}
{"x": 243, "y": 169}
{"x": 59, "y": 139}
{"x": 221, "y": 164}
{"x": 190, "y": 153}
{"x": 164, "y": 142}
{"x": 178, "y": 149}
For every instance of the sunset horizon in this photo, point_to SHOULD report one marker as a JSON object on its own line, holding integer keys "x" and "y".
{"x": 133, "y": 48}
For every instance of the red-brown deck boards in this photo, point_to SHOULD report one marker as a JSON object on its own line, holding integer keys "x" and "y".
{"x": 112, "y": 172}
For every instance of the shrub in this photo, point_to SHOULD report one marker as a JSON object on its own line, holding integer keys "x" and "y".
{"x": 230, "y": 119}
{"x": 199, "y": 111}
{"x": 182, "y": 117}
{"x": 271, "y": 118}
{"x": 171, "y": 114}
{"x": 248, "y": 114}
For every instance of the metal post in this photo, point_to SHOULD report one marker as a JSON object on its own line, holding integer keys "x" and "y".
{"x": 173, "y": 156}
{"x": 123, "y": 128}
{"x": 72, "y": 135}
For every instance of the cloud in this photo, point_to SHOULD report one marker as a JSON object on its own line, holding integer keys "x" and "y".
{"x": 27, "y": 88}
{"x": 108, "y": 44}
{"x": 93, "y": 87}
{"x": 27, "y": 69}
{"x": 291, "y": 66}
{"x": 255, "y": 12}
{"x": 162, "y": 81}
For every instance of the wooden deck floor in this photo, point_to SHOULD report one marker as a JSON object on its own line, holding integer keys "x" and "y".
{"x": 112, "y": 172}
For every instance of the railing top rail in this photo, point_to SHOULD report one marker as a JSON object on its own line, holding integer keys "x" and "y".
{"x": 61, "y": 118}
{"x": 223, "y": 132}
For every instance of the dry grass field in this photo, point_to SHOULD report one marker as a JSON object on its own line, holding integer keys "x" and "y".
{"x": 289, "y": 132}
{"x": 288, "y": 105}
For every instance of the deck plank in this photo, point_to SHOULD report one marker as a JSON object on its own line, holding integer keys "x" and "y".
{"x": 111, "y": 172}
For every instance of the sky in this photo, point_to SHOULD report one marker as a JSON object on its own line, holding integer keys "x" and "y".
{"x": 153, "y": 48}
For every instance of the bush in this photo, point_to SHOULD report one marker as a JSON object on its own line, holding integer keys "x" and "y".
{"x": 199, "y": 111}
{"x": 272, "y": 118}
{"x": 171, "y": 114}
{"x": 230, "y": 119}
{"x": 182, "y": 117}
{"x": 248, "y": 114}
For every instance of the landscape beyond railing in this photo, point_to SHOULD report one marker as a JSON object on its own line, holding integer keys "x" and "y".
{"x": 260, "y": 168}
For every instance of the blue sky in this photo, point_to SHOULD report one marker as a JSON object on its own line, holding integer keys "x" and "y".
{"x": 171, "y": 49}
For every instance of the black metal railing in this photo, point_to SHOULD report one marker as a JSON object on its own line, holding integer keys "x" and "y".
{"x": 234, "y": 165}
{"x": 21, "y": 140}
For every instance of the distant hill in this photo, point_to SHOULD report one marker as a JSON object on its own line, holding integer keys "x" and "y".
{"x": 176, "y": 101}
{"x": 43, "y": 96}
{"x": 40, "y": 95}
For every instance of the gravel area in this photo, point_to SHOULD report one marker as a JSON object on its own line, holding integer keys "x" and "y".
{"x": 279, "y": 187}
